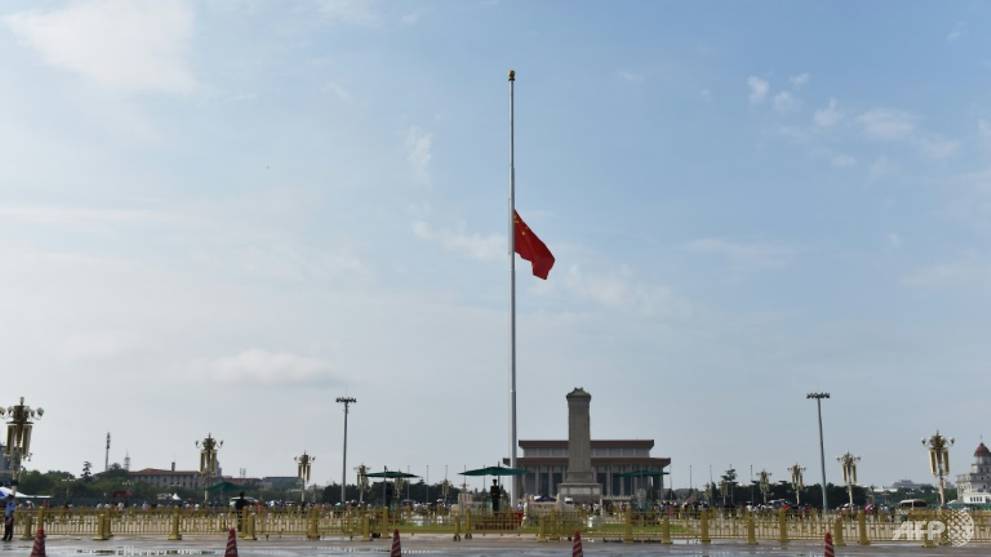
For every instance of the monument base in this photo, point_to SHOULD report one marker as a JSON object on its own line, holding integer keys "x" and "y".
{"x": 582, "y": 493}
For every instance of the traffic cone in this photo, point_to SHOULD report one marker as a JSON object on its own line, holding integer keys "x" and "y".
{"x": 231, "y": 544}
{"x": 829, "y": 546}
{"x": 576, "y": 550}
{"x": 38, "y": 549}
{"x": 397, "y": 550}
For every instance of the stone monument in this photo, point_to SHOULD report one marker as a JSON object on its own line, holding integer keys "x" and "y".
{"x": 579, "y": 484}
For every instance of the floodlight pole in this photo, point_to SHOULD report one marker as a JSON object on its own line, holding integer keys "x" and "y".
{"x": 347, "y": 402}
{"x": 822, "y": 450}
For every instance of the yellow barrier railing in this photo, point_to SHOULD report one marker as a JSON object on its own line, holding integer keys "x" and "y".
{"x": 659, "y": 526}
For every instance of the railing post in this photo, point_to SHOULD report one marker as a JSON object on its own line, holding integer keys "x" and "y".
{"x": 704, "y": 527}
{"x": 313, "y": 525}
{"x": 782, "y": 526}
{"x": 926, "y": 540}
{"x": 751, "y": 529}
{"x": 838, "y": 531}
{"x": 862, "y": 529}
{"x": 101, "y": 531}
{"x": 175, "y": 535}
{"x": 944, "y": 537}
{"x": 28, "y": 527}
{"x": 666, "y": 530}
{"x": 250, "y": 527}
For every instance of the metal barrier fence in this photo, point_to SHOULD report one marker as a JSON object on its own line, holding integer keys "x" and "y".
{"x": 662, "y": 527}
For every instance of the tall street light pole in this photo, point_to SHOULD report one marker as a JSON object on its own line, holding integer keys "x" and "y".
{"x": 797, "y": 481}
{"x": 939, "y": 460}
{"x": 849, "y": 464}
{"x": 208, "y": 462}
{"x": 822, "y": 450}
{"x": 347, "y": 402}
{"x": 303, "y": 464}
{"x": 20, "y": 422}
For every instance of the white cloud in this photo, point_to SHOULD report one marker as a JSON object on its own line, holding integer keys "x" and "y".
{"x": 419, "y": 145}
{"x": 965, "y": 270}
{"x": 630, "y": 76}
{"x": 484, "y": 247}
{"x": 937, "y": 147}
{"x": 794, "y": 133}
{"x": 800, "y": 80}
{"x": 896, "y": 125}
{"x": 749, "y": 256}
{"x": 880, "y": 167}
{"x": 338, "y": 91}
{"x": 827, "y": 117}
{"x": 621, "y": 289}
{"x": 786, "y": 102}
{"x": 351, "y": 12}
{"x": 842, "y": 160}
{"x": 758, "y": 89}
{"x": 260, "y": 367}
{"x": 984, "y": 127}
{"x": 959, "y": 30}
{"x": 885, "y": 123}
{"x": 139, "y": 45}
{"x": 77, "y": 215}
{"x": 97, "y": 345}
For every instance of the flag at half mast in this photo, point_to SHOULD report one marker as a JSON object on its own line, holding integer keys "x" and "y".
{"x": 529, "y": 246}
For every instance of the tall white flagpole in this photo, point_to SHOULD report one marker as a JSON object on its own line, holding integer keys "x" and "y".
{"x": 513, "y": 497}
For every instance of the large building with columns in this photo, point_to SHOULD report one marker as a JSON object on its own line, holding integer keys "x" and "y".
{"x": 974, "y": 487}
{"x": 546, "y": 463}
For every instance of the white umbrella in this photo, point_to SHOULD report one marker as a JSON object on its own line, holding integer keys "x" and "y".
{"x": 6, "y": 491}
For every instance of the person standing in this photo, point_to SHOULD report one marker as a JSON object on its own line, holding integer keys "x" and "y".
{"x": 495, "y": 493}
{"x": 8, "y": 518}
{"x": 239, "y": 505}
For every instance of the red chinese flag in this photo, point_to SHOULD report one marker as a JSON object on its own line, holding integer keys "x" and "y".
{"x": 529, "y": 246}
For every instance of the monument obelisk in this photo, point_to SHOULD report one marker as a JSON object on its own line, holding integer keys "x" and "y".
{"x": 579, "y": 484}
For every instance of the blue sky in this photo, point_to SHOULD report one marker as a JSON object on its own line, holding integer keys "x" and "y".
{"x": 219, "y": 216}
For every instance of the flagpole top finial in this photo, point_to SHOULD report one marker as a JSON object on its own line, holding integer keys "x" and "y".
{"x": 512, "y": 75}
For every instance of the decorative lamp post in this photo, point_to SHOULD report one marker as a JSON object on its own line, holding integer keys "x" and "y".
{"x": 849, "y": 464}
{"x": 822, "y": 450}
{"x": 20, "y": 422}
{"x": 764, "y": 481}
{"x": 797, "y": 482}
{"x": 347, "y": 401}
{"x": 208, "y": 461}
{"x": 939, "y": 460}
{"x": 445, "y": 489}
{"x": 303, "y": 463}
{"x": 362, "y": 483}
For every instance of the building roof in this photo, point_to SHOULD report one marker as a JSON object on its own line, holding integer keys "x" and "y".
{"x": 161, "y": 472}
{"x": 242, "y": 481}
{"x": 647, "y": 462}
{"x": 982, "y": 450}
{"x": 596, "y": 444}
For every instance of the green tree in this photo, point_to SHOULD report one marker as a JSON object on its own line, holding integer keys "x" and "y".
{"x": 727, "y": 483}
